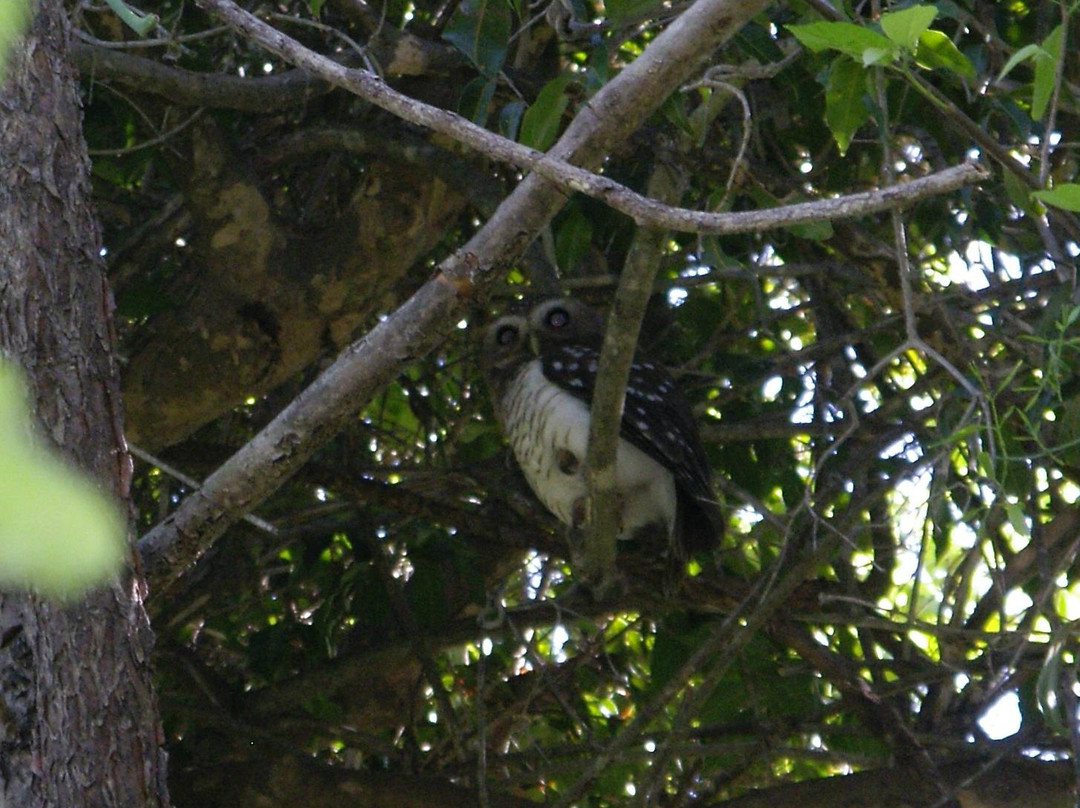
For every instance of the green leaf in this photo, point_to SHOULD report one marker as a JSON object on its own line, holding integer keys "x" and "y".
{"x": 877, "y": 56}
{"x": 1026, "y": 52}
{"x": 510, "y": 119}
{"x": 543, "y": 119}
{"x": 481, "y": 30}
{"x": 1018, "y": 193}
{"x": 475, "y": 99}
{"x": 1045, "y": 61}
{"x": 1065, "y": 196}
{"x": 846, "y": 37}
{"x": 59, "y": 533}
{"x": 906, "y": 26}
{"x": 573, "y": 237}
{"x": 14, "y": 17}
{"x": 845, "y": 111}
{"x": 619, "y": 10}
{"x": 937, "y": 50}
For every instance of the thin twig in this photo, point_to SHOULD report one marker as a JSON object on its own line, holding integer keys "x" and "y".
{"x": 195, "y": 485}
{"x": 155, "y": 141}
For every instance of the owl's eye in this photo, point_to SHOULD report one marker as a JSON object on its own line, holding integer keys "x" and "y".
{"x": 506, "y": 335}
{"x": 558, "y": 318}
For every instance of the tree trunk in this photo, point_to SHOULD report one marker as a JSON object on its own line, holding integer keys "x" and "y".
{"x": 79, "y": 722}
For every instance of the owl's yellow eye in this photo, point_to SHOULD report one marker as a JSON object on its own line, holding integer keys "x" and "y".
{"x": 506, "y": 335}
{"x": 558, "y": 318}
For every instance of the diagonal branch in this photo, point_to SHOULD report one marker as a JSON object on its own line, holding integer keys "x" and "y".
{"x": 365, "y": 367}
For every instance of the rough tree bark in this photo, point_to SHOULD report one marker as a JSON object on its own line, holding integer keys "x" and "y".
{"x": 80, "y": 722}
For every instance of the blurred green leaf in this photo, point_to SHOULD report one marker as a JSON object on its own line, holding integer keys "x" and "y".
{"x": 14, "y": 18}
{"x": 510, "y": 119}
{"x": 138, "y": 21}
{"x": 814, "y": 231}
{"x": 59, "y": 533}
{"x": 1065, "y": 196}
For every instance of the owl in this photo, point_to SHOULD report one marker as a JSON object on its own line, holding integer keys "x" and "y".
{"x": 541, "y": 366}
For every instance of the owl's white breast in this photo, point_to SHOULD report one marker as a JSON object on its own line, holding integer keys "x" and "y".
{"x": 547, "y": 425}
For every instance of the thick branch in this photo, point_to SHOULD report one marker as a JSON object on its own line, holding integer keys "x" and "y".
{"x": 323, "y": 409}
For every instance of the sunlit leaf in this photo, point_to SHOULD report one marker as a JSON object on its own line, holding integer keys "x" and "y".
{"x": 877, "y": 56}
{"x": 937, "y": 50}
{"x": 846, "y": 37}
{"x": 904, "y": 27}
{"x": 1065, "y": 196}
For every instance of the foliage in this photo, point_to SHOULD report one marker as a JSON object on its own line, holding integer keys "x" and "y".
{"x": 58, "y": 533}
{"x": 892, "y": 421}
{"x": 14, "y": 17}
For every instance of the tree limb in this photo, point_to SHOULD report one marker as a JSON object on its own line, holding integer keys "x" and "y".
{"x": 571, "y": 178}
{"x": 252, "y": 94}
{"x": 620, "y": 344}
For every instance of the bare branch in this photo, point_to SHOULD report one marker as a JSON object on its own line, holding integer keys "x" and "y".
{"x": 571, "y": 178}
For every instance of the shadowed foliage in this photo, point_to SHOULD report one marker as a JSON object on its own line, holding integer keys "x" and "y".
{"x": 888, "y": 404}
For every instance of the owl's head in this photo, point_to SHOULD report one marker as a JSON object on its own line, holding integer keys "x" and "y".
{"x": 523, "y": 333}
{"x": 564, "y": 320}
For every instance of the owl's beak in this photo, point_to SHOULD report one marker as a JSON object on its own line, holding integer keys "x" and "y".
{"x": 534, "y": 344}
